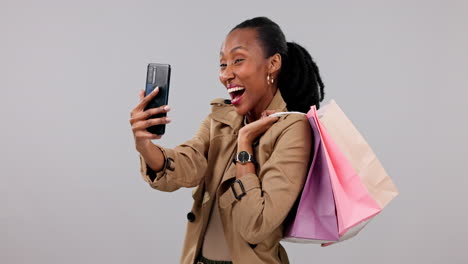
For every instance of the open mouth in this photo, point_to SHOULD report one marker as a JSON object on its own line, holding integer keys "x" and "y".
{"x": 236, "y": 94}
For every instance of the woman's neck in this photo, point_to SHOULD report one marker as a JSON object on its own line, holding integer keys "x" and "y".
{"x": 256, "y": 112}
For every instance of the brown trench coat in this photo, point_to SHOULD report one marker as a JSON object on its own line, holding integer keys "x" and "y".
{"x": 253, "y": 225}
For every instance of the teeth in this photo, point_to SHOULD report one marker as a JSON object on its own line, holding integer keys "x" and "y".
{"x": 235, "y": 89}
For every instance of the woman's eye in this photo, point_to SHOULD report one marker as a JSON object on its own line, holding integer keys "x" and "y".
{"x": 224, "y": 65}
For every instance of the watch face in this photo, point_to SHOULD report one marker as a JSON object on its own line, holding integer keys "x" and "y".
{"x": 243, "y": 156}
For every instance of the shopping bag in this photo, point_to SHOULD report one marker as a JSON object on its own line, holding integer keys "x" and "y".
{"x": 347, "y": 151}
{"x": 354, "y": 204}
{"x": 353, "y": 145}
{"x": 314, "y": 220}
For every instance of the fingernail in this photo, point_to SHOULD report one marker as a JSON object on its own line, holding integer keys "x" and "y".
{"x": 167, "y": 108}
{"x": 156, "y": 89}
{"x": 168, "y": 120}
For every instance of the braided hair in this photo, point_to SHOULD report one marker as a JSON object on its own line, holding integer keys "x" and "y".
{"x": 299, "y": 80}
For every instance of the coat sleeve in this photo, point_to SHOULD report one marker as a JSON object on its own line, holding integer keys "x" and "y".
{"x": 267, "y": 203}
{"x": 184, "y": 165}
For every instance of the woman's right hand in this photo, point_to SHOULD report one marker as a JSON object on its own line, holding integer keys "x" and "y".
{"x": 140, "y": 120}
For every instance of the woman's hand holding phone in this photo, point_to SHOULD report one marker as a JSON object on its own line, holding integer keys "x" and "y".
{"x": 140, "y": 120}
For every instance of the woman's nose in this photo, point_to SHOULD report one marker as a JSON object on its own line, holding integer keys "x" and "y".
{"x": 226, "y": 75}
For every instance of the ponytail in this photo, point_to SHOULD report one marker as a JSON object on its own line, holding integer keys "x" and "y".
{"x": 299, "y": 80}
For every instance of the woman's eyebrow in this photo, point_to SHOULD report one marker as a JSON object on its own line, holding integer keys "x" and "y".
{"x": 233, "y": 49}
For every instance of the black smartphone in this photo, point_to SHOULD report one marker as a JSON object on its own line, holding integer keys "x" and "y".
{"x": 158, "y": 75}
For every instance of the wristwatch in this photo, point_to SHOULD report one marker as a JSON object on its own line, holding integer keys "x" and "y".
{"x": 244, "y": 157}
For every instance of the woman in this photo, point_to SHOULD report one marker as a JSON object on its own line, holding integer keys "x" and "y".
{"x": 248, "y": 168}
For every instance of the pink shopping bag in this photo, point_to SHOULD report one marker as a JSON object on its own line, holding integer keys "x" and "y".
{"x": 358, "y": 152}
{"x": 354, "y": 205}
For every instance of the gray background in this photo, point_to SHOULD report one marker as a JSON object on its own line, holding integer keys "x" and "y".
{"x": 70, "y": 73}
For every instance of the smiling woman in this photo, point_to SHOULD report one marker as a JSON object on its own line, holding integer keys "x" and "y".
{"x": 248, "y": 167}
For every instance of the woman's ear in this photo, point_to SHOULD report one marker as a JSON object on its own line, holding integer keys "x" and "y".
{"x": 275, "y": 64}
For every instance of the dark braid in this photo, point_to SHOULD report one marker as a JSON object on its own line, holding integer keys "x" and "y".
{"x": 299, "y": 78}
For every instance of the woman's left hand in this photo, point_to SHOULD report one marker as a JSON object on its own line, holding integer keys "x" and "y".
{"x": 250, "y": 132}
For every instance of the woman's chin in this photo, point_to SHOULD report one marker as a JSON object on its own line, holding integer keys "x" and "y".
{"x": 241, "y": 109}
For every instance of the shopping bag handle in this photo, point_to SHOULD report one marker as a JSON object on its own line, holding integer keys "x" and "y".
{"x": 278, "y": 114}
{"x": 320, "y": 112}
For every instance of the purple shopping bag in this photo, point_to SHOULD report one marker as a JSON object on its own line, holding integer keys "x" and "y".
{"x": 315, "y": 219}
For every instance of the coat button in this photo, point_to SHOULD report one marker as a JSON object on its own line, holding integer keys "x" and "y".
{"x": 191, "y": 217}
